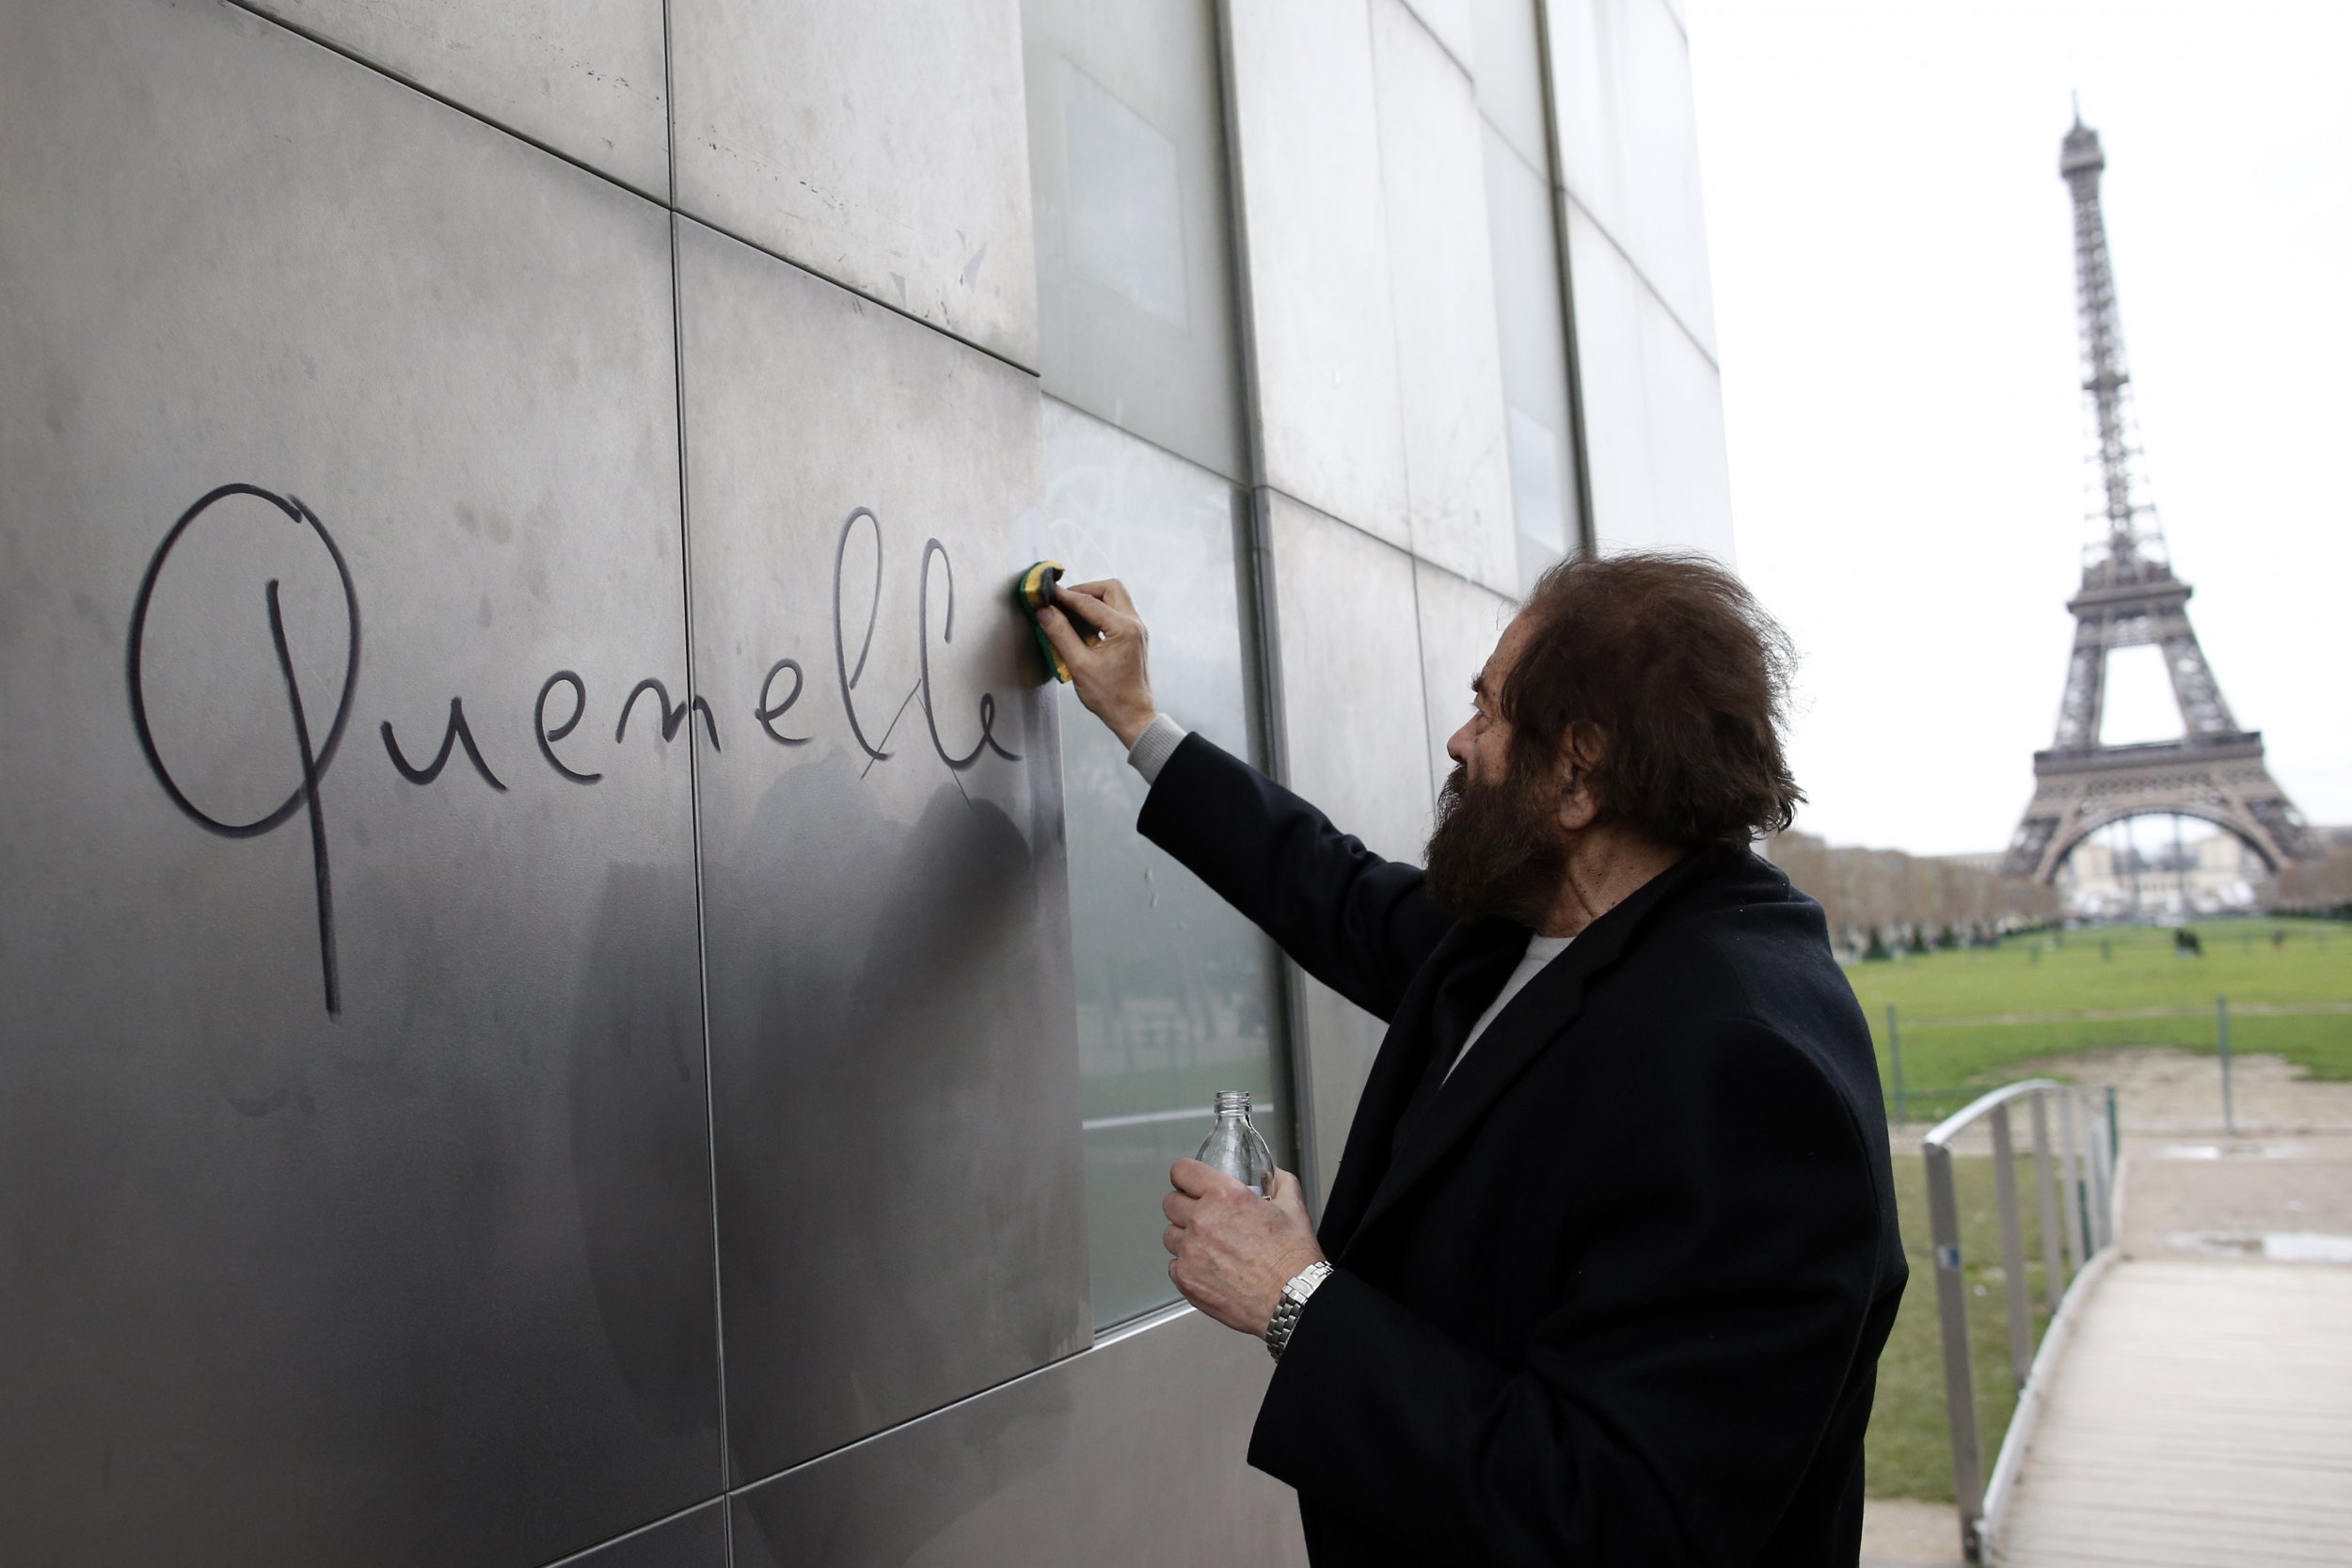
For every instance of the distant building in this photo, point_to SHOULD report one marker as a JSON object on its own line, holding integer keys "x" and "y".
{"x": 2214, "y": 874}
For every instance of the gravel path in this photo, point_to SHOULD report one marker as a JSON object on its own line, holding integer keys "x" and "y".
{"x": 2280, "y": 1185}
{"x": 2163, "y": 1090}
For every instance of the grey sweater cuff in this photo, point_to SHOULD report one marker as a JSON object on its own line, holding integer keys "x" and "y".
{"x": 1154, "y": 746}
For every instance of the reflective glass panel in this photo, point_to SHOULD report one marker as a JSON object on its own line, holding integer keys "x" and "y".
{"x": 1511, "y": 74}
{"x": 1135, "y": 273}
{"x": 1178, "y": 996}
{"x": 1539, "y": 426}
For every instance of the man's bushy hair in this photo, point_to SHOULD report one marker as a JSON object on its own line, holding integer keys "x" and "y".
{"x": 1681, "y": 676}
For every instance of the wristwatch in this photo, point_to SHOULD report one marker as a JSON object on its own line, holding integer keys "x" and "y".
{"x": 1295, "y": 1294}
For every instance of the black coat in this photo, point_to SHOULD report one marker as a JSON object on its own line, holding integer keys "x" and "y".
{"x": 1613, "y": 1293}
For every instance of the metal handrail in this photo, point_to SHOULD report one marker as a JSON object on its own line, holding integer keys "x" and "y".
{"x": 2077, "y": 1212}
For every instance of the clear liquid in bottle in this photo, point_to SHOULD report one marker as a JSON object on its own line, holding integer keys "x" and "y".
{"x": 1233, "y": 1145}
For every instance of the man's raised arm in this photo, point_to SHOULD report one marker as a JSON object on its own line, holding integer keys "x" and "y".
{"x": 1359, "y": 923}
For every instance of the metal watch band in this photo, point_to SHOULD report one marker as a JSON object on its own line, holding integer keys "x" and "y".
{"x": 1295, "y": 1294}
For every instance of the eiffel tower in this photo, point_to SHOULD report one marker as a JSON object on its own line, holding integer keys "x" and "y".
{"x": 2130, "y": 598}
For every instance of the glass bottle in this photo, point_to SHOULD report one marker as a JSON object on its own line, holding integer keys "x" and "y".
{"x": 1233, "y": 1145}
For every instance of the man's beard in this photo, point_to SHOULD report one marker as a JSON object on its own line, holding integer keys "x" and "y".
{"x": 1498, "y": 852}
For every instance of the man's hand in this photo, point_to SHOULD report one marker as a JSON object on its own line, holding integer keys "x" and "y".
{"x": 1233, "y": 1251}
{"x": 1108, "y": 669}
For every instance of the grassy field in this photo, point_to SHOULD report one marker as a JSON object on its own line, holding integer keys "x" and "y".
{"x": 1968, "y": 1019}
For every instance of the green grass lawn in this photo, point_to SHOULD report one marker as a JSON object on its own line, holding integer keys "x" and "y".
{"x": 1968, "y": 1019}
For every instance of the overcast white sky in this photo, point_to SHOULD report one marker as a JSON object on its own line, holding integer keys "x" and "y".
{"x": 1893, "y": 277}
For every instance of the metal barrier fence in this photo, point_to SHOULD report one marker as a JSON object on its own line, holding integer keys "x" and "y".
{"x": 2077, "y": 1202}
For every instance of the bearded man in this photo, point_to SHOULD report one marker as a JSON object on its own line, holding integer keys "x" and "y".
{"x": 1608, "y": 1259}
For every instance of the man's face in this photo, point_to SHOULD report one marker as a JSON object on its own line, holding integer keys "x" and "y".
{"x": 1483, "y": 744}
{"x": 1500, "y": 847}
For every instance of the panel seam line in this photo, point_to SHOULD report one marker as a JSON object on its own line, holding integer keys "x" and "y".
{"x": 1639, "y": 276}
{"x": 693, "y": 778}
{"x": 669, "y": 205}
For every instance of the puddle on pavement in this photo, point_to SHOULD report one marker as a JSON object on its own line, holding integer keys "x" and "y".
{"x": 2229, "y": 1152}
{"x": 2271, "y": 1246}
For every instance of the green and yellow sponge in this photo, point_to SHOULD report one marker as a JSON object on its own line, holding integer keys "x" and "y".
{"x": 1032, "y": 591}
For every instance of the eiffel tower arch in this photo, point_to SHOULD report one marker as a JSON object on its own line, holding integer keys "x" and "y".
{"x": 2130, "y": 598}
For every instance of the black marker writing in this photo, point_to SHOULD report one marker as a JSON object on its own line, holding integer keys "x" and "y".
{"x": 873, "y": 612}
{"x": 768, "y": 714}
{"x": 301, "y": 515}
{"x": 311, "y": 803}
{"x": 923, "y": 650}
{"x": 547, "y": 736}
{"x": 314, "y": 760}
{"x": 316, "y": 755}
{"x": 456, "y": 734}
{"x": 671, "y": 716}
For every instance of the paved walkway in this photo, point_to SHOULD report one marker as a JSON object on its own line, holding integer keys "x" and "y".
{"x": 2201, "y": 1417}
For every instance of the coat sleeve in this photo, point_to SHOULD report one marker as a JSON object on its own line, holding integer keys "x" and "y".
{"x": 1670, "y": 1400}
{"x": 1358, "y": 924}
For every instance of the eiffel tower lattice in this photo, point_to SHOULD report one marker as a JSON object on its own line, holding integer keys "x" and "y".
{"x": 2129, "y": 597}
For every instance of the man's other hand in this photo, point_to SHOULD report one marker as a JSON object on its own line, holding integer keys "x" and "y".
{"x": 1233, "y": 1251}
{"x": 1109, "y": 668}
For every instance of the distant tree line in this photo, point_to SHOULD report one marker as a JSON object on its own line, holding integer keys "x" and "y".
{"x": 1879, "y": 901}
{"x": 2322, "y": 886}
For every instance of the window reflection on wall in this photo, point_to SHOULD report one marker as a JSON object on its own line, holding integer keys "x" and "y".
{"x": 1123, "y": 210}
{"x": 1524, "y": 239}
{"x": 1178, "y": 996}
{"x": 1134, "y": 247}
